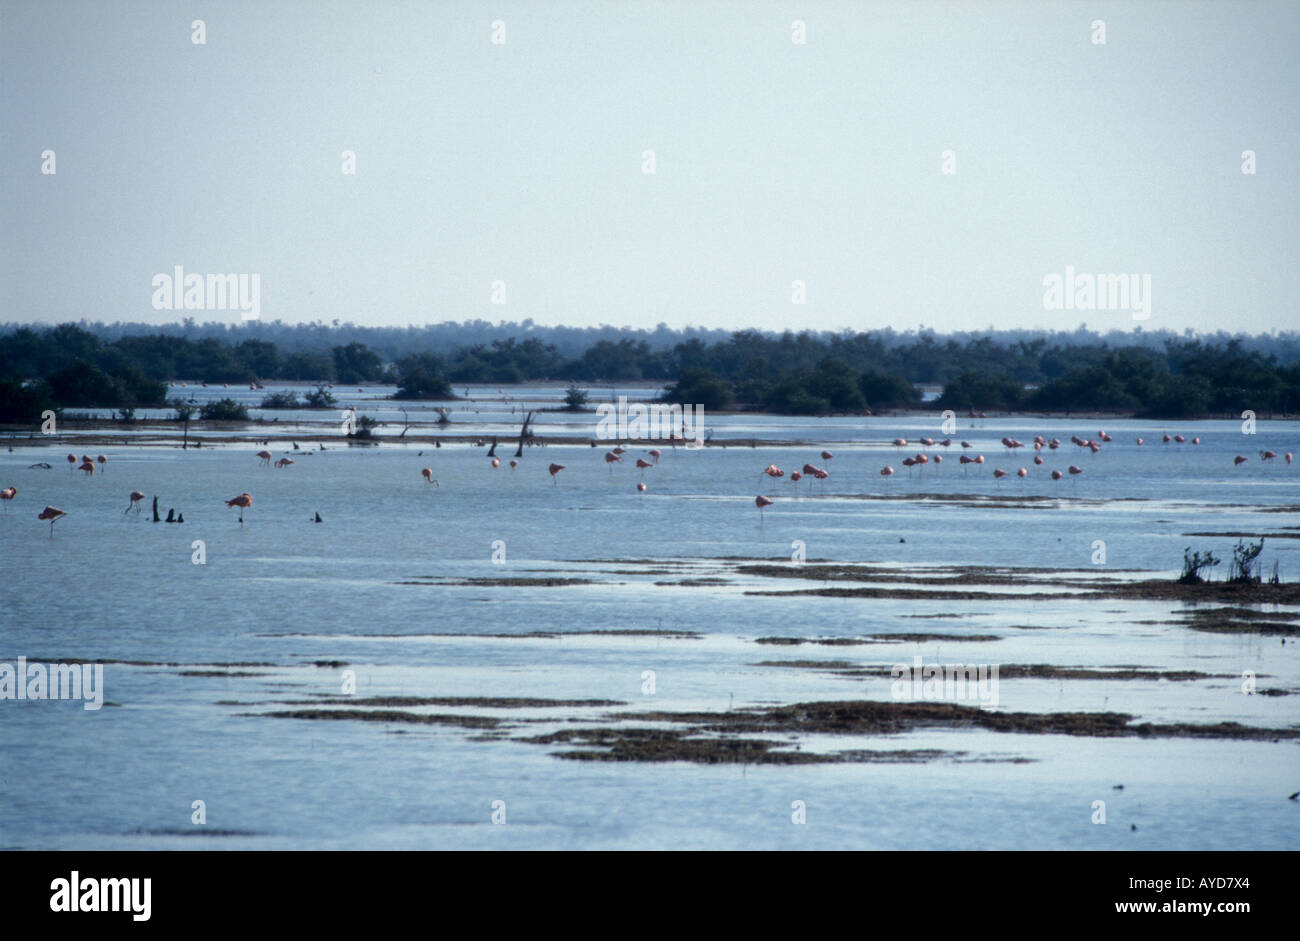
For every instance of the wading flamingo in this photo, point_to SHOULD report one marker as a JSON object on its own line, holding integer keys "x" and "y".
{"x": 555, "y": 469}
{"x": 136, "y": 497}
{"x": 640, "y": 486}
{"x": 264, "y": 457}
{"x": 514, "y": 464}
{"x": 1239, "y": 459}
{"x": 611, "y": 459}
{"x": 655, "y": 453}
{"x": 8, "y": 494}
{"x": 427, "y": 474}
{"x": 827, "y": 455}
{"x": 101, "y": 460}
{"x": 760, "y": 502}
{"x": 283, "y": 462}
{"x": 886, "y": 472}
{"x": 88, "y": 467}
{"x": 1075, "y": 470}
{"x": 72, "y": 463}
{"x": 1056, "y": 475}
{"x": 243, "y": 501}
{"x": 496, "y": 462}
{"x": 51, "y": 513}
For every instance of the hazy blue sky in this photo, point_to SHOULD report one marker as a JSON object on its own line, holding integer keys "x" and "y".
{"x": 776, "y": 162}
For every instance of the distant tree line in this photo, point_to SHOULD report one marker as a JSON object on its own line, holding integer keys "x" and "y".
{"x": 789, "y": 373}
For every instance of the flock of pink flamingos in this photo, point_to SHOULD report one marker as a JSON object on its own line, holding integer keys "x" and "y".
{"x": 614, "y": 456}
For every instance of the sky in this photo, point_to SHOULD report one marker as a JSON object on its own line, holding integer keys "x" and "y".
{"x": 505, "y": 180}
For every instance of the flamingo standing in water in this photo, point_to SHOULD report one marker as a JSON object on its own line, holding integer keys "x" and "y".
{"x": 827, "y": 455}
{"x": 611, "y": 459}
{"x": 654, "y": 453}
{"x": 1267, "y": 455}
{"x": 1075, "y": 470}
{"x": 760, "y": 502}
{"x": 88, "y": 467}
{"x": 243, "y": 501}
{"x": 51, "y": 513}
{"x": 283, "y": 462}
{"x": 101, "y": 460}
{"x": 642, "y": 464}
{"x": 1289, "y": 456}
{"x": 136, "y": 497}
{"x": 640, "y": 486}
{"x": 555, "y": 469}
{"x": 1239, "y": 459}
{"x": 514, "y": 464}
{"x": 72, "y": 463}
{"x": 1056, "y": 475}
{"x": 264, "y": 457}
{"x": 886, "y": 472}
{"x": 427, "y": 474}
{"x": 496, "y": 462}
{"x": 8, "y": 494}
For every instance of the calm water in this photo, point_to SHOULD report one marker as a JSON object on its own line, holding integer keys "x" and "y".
{"x": 283, "y": 591}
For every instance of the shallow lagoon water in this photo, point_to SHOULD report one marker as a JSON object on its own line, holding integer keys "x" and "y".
{"x": 283, "y": 591}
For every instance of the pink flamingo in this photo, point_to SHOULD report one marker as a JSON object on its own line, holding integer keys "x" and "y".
{"x": 640, "y": 486}
{"x": 136, "y": 497}
{"x": 555, "y": 469}
{"x": 1239, "y": 459}
{"x": 496, "y": 462}
{"x": 264, "y": 457}
{"x": 88, "y": 467}
{"x": 886, "y": 472}
{"x": 51, "y": 513}
{"x": 283, "y": 463}
{"x": 611, "y": 458}
{"x": 101, "y": 461}
{"x": 72, "y": 463}
{"x": 655, "y": 453}
{"x": 760, "y": 502}
{"x": 514, "y": 464}
{"x": 1075, "y": 470}
{"x": 1056, "y": 475}
{"x": 243, "y": 501}
{"x": 427, "y": 474}
{"x": 8, "y": 494}
{"x": 827, "y": 455}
